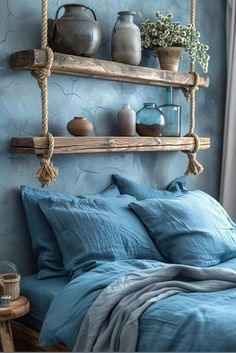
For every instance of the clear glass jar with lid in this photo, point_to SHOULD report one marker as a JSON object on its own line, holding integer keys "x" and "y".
{"x": 150, "y": 120}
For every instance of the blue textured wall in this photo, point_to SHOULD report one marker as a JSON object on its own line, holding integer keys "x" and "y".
{"x": 98, "y": 100}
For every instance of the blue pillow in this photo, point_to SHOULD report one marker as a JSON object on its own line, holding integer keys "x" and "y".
{"x": 90, "y": 232}
{"x": 192, "y": 229}
{"x": 141, "y": 192}
{"x": 44, "y": 244}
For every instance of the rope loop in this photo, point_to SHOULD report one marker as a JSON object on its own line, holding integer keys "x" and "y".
{"x": 196, "y": 142}
{"x": 188, "y": 92}
{"x": 42, "y": 73}
{"x": 50, "y": 152}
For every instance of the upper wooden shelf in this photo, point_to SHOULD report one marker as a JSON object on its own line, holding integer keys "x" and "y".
{"x": 91, "y": 144}
{"x": 102, "y": 69}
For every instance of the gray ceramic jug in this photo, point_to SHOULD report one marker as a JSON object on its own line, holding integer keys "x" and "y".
{"x": 126, "y": 40}
{"x": 77, "y": 32}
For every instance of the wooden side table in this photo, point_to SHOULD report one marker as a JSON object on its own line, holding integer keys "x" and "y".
{"x": 18, "y": 308}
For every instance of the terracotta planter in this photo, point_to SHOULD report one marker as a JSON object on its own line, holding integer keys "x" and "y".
{"x": 169, "y": 58}
{"x": 80, "y": 126}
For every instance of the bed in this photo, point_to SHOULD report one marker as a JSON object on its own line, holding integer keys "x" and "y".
{"x": 180, "y": 321}
{"x": 135, "y": 270}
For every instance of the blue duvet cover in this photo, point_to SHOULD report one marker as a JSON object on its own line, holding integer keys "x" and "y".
{"x": 182, "y": 322}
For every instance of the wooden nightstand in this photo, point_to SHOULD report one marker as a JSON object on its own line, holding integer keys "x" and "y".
{"x": 18, "y": 308}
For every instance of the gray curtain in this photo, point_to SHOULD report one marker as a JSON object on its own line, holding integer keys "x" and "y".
{"x": 228, "y": 177}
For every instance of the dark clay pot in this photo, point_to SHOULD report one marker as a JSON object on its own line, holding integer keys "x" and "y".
{"x": 77, "y": 32}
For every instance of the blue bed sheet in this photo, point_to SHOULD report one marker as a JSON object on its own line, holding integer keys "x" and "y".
{"x": 40, "y": 293}
{"x": 183, "y": 322}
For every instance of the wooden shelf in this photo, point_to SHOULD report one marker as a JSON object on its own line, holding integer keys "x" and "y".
{"x": 102, "y": 69}
{"x": 67, "y": 145}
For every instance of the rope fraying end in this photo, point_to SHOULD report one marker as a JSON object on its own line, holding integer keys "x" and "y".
{"x": 194, "y": 167}
{"x": 46, "y": 173}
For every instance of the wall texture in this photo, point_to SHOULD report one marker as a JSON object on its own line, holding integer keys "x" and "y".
{"x": 99, "y": 101}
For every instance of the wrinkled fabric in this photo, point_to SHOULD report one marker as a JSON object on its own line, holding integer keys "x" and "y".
{"x": 112, "y": 320}
{"x": 183, "y": 322}
{"x": 191, "y": 229}
{"x": 44, "y": 244}
{"x": 90, "y": 232}
{"x": 142, "y": 192}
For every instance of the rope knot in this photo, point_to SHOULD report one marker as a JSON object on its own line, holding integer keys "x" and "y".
{"x": 194, "y": 167}
{"x": 47, "y": 172}
{"x": 196, "y": 142}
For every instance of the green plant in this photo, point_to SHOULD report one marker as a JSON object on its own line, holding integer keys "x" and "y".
{"x": 167, "y": 33}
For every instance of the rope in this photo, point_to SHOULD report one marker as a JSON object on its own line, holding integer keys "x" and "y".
{"x": 194, "y": 167}
{"x": 47, "y": 172}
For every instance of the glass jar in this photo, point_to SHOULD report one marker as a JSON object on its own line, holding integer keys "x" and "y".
{"x": 150, "y": 120}
{"x": 172, "y": 114}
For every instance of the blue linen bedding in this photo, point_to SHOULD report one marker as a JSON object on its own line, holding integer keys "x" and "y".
{"x": 183, "y": 322}
{"x": 40, "y": 294}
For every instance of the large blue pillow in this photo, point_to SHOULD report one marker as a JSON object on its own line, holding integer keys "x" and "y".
{"x": 92, "y": 231}
{"x": 141, "y": 192}
{"x": 44, "y": 244}
{"x": 192, "y": 229}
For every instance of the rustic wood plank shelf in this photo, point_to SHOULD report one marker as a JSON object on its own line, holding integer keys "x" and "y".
{"x": 102, "y": 69}
{"x": 100, "y": 144}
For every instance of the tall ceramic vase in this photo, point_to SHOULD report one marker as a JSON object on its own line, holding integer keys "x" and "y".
{"x": 126, "y": 40}
{"x": 169, "y": 58}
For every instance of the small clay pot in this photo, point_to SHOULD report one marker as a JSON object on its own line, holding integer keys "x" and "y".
{"x": 169, "y": 58}
{"x": 80, "y": 126}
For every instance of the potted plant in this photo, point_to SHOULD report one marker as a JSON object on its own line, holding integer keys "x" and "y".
{"x": 167, "y": 38}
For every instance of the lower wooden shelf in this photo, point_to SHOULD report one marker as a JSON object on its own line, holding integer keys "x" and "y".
{"x": 103, "y": 144}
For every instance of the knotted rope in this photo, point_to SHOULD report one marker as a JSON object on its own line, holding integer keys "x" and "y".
{"x": 47, "y": 172}
{"x": 194, "y": 167}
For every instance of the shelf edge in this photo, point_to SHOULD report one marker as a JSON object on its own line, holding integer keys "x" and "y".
{"x": 103, "y": 69}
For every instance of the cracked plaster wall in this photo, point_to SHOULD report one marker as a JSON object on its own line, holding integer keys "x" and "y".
{"x": 99, "y": 101}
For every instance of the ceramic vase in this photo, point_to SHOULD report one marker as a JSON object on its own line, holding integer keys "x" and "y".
{"x": 126, "y": 40}
{"x": 80, "y": 126}
{"x": 126, "y": 121}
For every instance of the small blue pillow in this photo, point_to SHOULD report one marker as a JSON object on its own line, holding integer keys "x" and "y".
{"x": 44, "y": 244}
{"x": 92, "y": 231}
{"x": 192, "y": 229}
{"x": 141, "y": 192}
